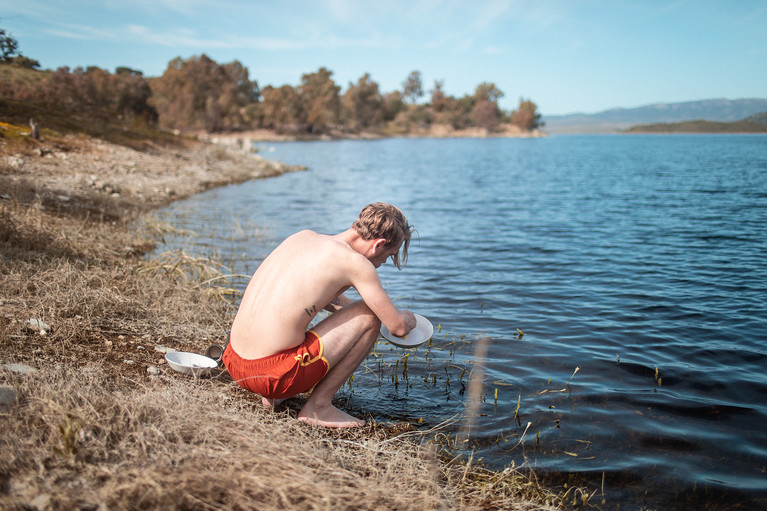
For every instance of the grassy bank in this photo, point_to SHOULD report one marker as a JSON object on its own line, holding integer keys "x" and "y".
{"x": 92, "y": 417}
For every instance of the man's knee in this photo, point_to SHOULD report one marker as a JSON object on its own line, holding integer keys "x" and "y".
{"x": 369, "y": 320}
{"x": 373, "y": 322}
{"x": 371, "y": 325}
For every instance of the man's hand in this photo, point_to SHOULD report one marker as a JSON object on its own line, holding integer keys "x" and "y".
{"x": 408, "y": 323}
{"x": 411, "y": 321}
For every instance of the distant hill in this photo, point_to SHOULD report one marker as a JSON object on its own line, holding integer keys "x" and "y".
{"x": 618, "y": 119}
{"x": 758, "y": 118}
{"x": 743, "y": 126}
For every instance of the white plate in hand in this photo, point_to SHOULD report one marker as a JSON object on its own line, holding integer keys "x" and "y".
{"x": 417, "y": 336}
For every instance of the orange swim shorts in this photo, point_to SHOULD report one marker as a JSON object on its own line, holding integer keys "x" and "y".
{"x": 284, "y": 374}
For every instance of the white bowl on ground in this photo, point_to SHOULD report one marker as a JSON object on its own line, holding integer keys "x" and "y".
{"x": 190, "y": 363}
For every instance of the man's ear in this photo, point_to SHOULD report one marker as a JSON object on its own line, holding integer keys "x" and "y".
{"x": 379, "y": 243}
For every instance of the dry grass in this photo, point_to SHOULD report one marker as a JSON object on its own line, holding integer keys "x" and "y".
{"x": 84, "y": 440}
{"x": 95, "y": 430}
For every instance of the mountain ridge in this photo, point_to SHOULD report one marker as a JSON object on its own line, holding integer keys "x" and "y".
{"x": 618, "y": 119}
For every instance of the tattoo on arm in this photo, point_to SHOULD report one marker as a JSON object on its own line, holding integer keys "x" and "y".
{"x": 311, "y": 312}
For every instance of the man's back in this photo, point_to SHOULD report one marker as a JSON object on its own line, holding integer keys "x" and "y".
{"x": 298, "y": 279}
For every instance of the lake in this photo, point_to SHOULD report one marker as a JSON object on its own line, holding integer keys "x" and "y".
{"x": 599, "y": 301}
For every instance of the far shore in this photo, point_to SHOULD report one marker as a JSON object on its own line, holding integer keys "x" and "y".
{"x": 433, "y": 131}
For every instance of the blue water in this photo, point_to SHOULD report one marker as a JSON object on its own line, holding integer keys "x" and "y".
{"x": 617, "y": 283}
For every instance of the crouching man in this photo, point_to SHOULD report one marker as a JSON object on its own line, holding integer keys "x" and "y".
{"x": 271, "y": 352}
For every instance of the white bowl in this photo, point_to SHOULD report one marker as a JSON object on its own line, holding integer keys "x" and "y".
{"x": 190, "y": 363}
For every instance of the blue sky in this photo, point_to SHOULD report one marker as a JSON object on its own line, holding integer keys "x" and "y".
{"x": 567, "y": 56}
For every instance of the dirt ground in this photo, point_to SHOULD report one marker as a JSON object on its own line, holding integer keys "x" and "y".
{"x": 81, "y": 197}
{"x": 77, "y": 172}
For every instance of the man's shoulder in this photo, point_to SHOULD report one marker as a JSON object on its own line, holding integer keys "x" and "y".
{"x": 319, "y": 245}
{"x": 328, "y": 250}
{"x": 305, "y": 234}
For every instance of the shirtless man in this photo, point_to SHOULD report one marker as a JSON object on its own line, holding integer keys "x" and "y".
{"x": 271, "y": 352}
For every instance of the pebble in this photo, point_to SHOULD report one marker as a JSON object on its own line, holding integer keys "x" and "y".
{"x": 8, "y": 396}
{"x": 19, "y": 368}
{"x": 152, "y": 370}
{"x": 15, "y": 162}
{"x": 38, "y": 325}
{"x": 42, "y": 501}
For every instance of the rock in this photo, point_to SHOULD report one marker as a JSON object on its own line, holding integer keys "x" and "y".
{"x": 8, "y": 397}
{"x": 38, "y": 325}
{"x": 163, "y": 349}
{"x": 15, "y": 162}
{"x": 19, "y": 368}
{"x": 85, "y": 435}
{"x": 152, "y": 370}
{"x": 41, "y": 502}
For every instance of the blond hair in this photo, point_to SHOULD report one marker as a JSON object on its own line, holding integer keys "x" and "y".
{"x": 382, "y": 220}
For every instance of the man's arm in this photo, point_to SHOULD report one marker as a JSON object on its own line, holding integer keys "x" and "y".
{"x": 366, "y": 281}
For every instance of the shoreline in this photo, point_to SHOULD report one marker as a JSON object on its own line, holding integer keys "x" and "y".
{"x": 93, "y": 404}
{"x": 85, "y": 169}
{"x": 241, "y": 140}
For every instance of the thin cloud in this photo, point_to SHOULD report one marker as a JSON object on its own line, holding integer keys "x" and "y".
{"x": 183, "y": 38}
{"x": 185, "y": 7}
{"x": 179, "y": 38}
{"x": 81, "y": 32}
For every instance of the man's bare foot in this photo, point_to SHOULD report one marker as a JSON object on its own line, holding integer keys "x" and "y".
{"x": 328, "y": 416}
{"x": 271, "y": 402}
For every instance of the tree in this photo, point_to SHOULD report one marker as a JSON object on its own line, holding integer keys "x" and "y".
{"x": 393, "y": 105}
{"x": 126, "y": 71}
{"x": 363, "y": 104}
{"x": 132, "y": 97}
{"x": 320, "y": 101}
{"x": 279, "y": 108}
{"x": 95, "y": 92}
{"x": 438, "y": 98}
{"x": 486, "y": 113}
{"x": 526, "y": 115}
{"x": 8, "y": 47}
{"x": 412, "y": 87}
{"x": 487, "y": 91}
{"x": 199, "y": 93}
{"x": 458, "y": 112}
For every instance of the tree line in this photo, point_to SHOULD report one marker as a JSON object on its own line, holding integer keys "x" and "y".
{"x": 200, "y": 94}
